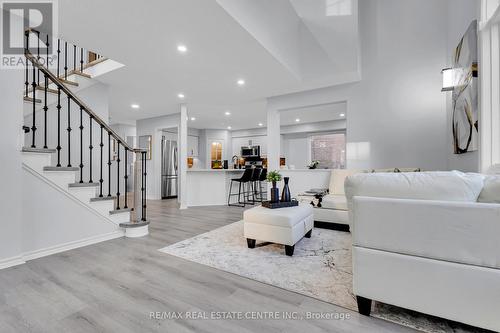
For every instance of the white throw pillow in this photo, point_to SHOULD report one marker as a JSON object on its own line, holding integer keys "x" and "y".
{"x": 491, "y": 190}
{"x": 438, "y": 185}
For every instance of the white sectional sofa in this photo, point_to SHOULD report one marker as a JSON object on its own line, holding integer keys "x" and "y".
{"x": 334, "y": 208}
{"x": 429, "y": 242}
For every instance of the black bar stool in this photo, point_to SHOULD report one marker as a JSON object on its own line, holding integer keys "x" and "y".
{"x": 243, "y": 181}
{"x": 262, "y": 195}
{"x": 255, "y": 178}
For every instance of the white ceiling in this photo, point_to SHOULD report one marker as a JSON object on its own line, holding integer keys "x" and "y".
{"x": 144, "y": 36}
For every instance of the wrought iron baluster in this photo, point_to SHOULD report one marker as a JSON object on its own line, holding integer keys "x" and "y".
{"x": 33, "y": 126}
{"x": 144, "y": 181}
{"x": 81, "y": 60}
{"x": 69, "y": 132}
{"x": 26, "y": 49}
{"x": 100, "y": 179}
{"x": 58, "y": 126}
{"x": 74, "y": 58}
{"x": 45, "y": 109}
{"x": 126, "y": 178}
{"x": 58, "y": 55}
{"x": 90, "y": 148}
{"x": 38, "y": 55}
{"x": 47, "y": 49}
{"x": 118, "y": 176}
{"x": 109, "y": 164}
{"x": 65, "y": 60}
{"x": 81, "y": 145}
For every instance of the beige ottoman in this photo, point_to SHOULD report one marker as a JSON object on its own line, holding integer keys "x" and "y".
{"x": 282, "y": 226}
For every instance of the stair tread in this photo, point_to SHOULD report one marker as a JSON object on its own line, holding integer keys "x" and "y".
{"x": 83, "y": 184}
{"x": 134, "y": 224}
{"x": 49, "y": 90}
{"x": 71, "y": 83}
{"x": 95, "y": 62}
{"x": 38, "y": 150}
{"x": 61, "y": 168}
{"x": 121, "y": 210}
{"x": 105, "y": 198}
{"x": 30, "y": 100}
{"x": 77, "y": 72}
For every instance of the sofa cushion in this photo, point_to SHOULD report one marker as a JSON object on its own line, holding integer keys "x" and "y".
{"x": 491, "y": 190}
{"x": 337, "y": 178}
{"x": 438, "y": 185}
{"x": 281, "y": 217}
{"x": 338, "y": 202}
{"x": 462, "y": 232}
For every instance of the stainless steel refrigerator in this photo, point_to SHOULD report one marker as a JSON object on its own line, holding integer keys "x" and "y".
{"x": 169, "y": 169}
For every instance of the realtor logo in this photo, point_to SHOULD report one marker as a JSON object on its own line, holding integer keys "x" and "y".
{"x": 19, "y": 16}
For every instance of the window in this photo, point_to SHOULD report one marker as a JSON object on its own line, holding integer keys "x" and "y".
{"x": 329, "y": 150}
{"x": 216, "y": 154}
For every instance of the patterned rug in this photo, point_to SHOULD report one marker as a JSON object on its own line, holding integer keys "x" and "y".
{"x": 320, "y": 268}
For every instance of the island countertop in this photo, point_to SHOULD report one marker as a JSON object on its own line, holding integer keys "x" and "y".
{"x": 215, "y": 170}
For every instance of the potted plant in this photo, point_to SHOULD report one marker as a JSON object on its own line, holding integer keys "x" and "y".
{"x": 273, "y": 177}
{"x": 313, "y": 165}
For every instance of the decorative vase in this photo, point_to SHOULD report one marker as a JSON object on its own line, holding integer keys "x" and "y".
{"x": 275, "y": 193}
{"x": 285, "y": 195}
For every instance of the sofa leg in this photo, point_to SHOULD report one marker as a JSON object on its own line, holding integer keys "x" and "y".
{"x": 308, "y": 235}
{"x": 289, "y": 250}
{"x": 250, "y": 243}
{"x": 364, "y": 305}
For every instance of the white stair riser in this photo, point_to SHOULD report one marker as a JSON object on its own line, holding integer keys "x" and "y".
{"x": 36, "y": 161}
{"x": 83, "y": 193}
{"x": 120, "y": 217}
{"x": 61, "y": 178}
{"x": 103, "y": 207}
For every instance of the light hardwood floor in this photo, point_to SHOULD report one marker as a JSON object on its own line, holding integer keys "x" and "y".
{"x": 113, "y": 286}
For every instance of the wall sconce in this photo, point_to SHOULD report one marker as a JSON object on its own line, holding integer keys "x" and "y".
{"x": 449, "y": 79}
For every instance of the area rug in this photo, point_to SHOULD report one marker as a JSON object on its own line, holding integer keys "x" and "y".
{"x": 320, "y": 268}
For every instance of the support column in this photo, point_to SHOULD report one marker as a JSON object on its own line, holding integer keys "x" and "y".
{"x": 183, "y": 137}
{"x": 273, "y": 139}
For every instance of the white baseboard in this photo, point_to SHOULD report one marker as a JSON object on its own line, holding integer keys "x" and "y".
{"x": 13, "y": 261}
{"x": 72, "y": 245}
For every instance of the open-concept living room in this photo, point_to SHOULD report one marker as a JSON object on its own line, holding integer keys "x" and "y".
{"x": 250, "y": 166}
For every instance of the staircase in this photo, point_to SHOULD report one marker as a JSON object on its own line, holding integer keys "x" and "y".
{"x": 69, "y": 147}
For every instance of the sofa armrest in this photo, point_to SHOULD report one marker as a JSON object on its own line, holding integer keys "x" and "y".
{"x": 466, "y": 232}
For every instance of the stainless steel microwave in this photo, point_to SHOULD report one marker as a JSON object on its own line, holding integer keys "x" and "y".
{"x": 250, "y": 151}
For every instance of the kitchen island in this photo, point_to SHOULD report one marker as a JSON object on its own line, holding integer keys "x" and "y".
{"x": 210, "y": 187}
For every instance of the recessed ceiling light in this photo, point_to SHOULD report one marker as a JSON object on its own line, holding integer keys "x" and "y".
{"x": 182, "y": 48}
{"x": 181, "y": 95}
{"x": 297, "y": 120}
{"x": 229, "y": 127}
{"x": 134, "y": 106}
{"x": 261, "y": 124}
{"x": 342, "y": 114}
{"x": 241, "y": 82}
{"x": 227, "y": 113}
{"x": 193, "y": 118}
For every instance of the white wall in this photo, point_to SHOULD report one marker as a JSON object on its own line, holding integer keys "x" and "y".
{"x": 460, "y": 14}
{"x": 296, "y": 149}
{"x": 397, "y": 110}
{"x": 11, "y": 83}
{"x": 54, "y": 220}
